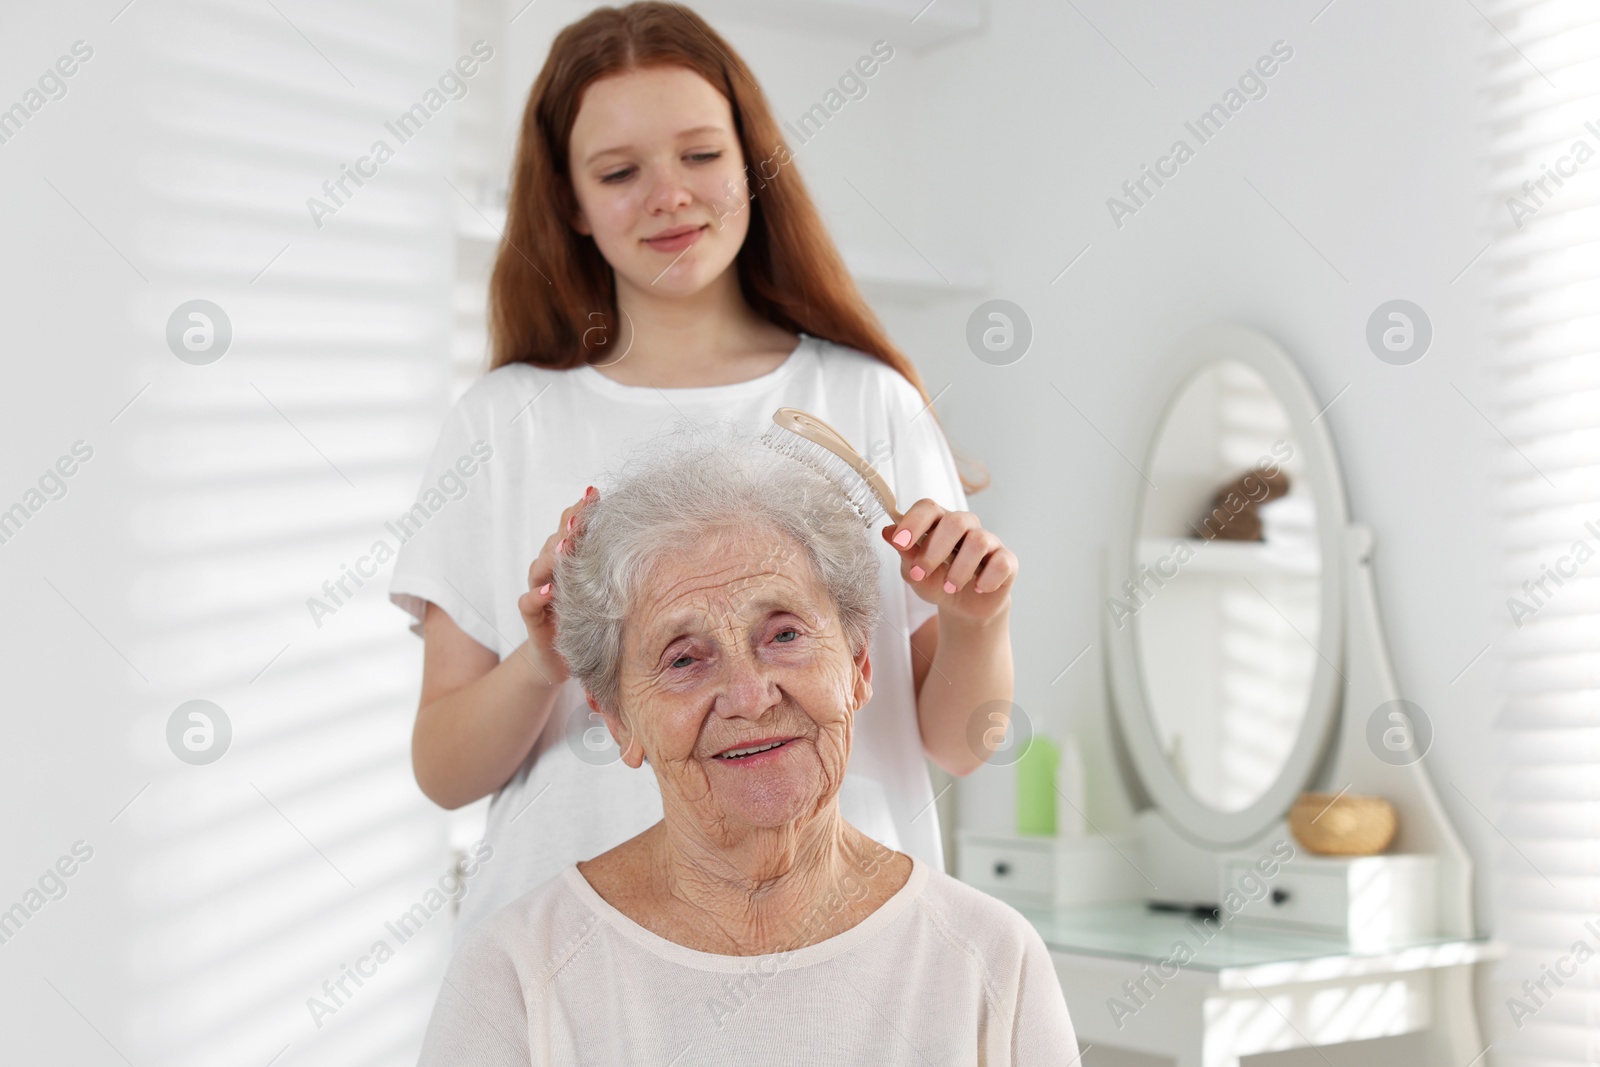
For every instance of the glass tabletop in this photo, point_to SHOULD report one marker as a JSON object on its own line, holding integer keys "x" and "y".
{"x": 1130, "y": 930}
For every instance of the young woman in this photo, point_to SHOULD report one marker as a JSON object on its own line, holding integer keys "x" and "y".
{"x": 663, "y": 261}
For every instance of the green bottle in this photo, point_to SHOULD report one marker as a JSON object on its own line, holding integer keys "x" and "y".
{"x": 1036, "y": 787}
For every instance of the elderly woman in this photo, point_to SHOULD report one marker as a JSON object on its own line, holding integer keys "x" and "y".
{"x": 716, "y": 606}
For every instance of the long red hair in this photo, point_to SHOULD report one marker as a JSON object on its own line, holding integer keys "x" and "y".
{"x": 563, "y": 313}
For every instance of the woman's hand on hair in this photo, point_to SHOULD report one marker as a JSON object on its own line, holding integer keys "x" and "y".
{"x": 535, "y": 604}
{"x": 952, "y": 561}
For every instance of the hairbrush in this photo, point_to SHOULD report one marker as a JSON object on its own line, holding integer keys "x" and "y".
{"x": 804, "y": 437}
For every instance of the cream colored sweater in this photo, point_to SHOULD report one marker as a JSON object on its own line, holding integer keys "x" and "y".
{"x": 940, "y": 974}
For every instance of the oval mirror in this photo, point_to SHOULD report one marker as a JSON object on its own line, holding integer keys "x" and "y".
{"x": 1226, "y": 644}
{"x": 1228, "y": 611}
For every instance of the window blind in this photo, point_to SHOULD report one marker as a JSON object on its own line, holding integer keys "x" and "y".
{"x": 265, "y": 887}
{"x": 1543, "y": 67}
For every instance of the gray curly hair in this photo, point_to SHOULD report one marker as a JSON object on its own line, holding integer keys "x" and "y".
{"x": 682, "y": 487}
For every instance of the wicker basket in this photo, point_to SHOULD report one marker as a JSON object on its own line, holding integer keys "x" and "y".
{"x": 1347, "y": 825}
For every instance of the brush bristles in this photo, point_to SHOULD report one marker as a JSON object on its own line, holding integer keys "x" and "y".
{"x": 855, "y": 489}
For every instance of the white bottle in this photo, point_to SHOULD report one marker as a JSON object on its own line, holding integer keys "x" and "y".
{"x": 1071, "y": 790}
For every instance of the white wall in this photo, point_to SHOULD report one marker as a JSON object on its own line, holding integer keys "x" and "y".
{"x": 1370, "y": 142}
{"x": 1371, "y": 147}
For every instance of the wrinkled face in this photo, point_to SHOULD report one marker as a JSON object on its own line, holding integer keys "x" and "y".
{"x": 653, "y": 151}
{"x": 735, "y": 644}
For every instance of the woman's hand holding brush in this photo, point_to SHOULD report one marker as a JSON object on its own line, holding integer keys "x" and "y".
{"x": 952, "y": 561}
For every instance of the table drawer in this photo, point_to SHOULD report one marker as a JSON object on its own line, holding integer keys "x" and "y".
{"x": 1314, "y": 899}
{"x": 1373, "y": 901}
{"x": 1013, "y": 869}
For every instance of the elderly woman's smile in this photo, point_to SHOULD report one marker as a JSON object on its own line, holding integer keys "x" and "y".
{"x": 750, "y": 685}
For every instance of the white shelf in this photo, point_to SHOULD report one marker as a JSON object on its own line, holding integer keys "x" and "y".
{"x": 1234, "y": 557}
{"x": 905, "y": 275}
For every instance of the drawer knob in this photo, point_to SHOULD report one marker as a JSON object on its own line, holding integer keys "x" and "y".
{"x": 1279, "y": 896}
{"x": 1001, "y": 868}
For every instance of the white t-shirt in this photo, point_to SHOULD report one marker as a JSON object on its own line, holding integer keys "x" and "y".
{"x": 941, "y": 973}
{"x": 480, "y": 522}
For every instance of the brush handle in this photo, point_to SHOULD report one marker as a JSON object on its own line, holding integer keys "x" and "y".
{"x": 821, "y": 434}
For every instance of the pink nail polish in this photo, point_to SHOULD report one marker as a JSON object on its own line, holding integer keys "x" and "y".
{"x": 903, "y": 538}
{"x": 544, "y": 590}
{"x": 917, "y": 574}
{"x": 949, "y": 587}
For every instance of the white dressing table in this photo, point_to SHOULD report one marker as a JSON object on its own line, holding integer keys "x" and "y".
{"x": 1236, "y": 684}
{"x": 1249, "y": 991}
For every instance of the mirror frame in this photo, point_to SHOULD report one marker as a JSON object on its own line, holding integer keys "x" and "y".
{"x": 1207, "y": 826}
